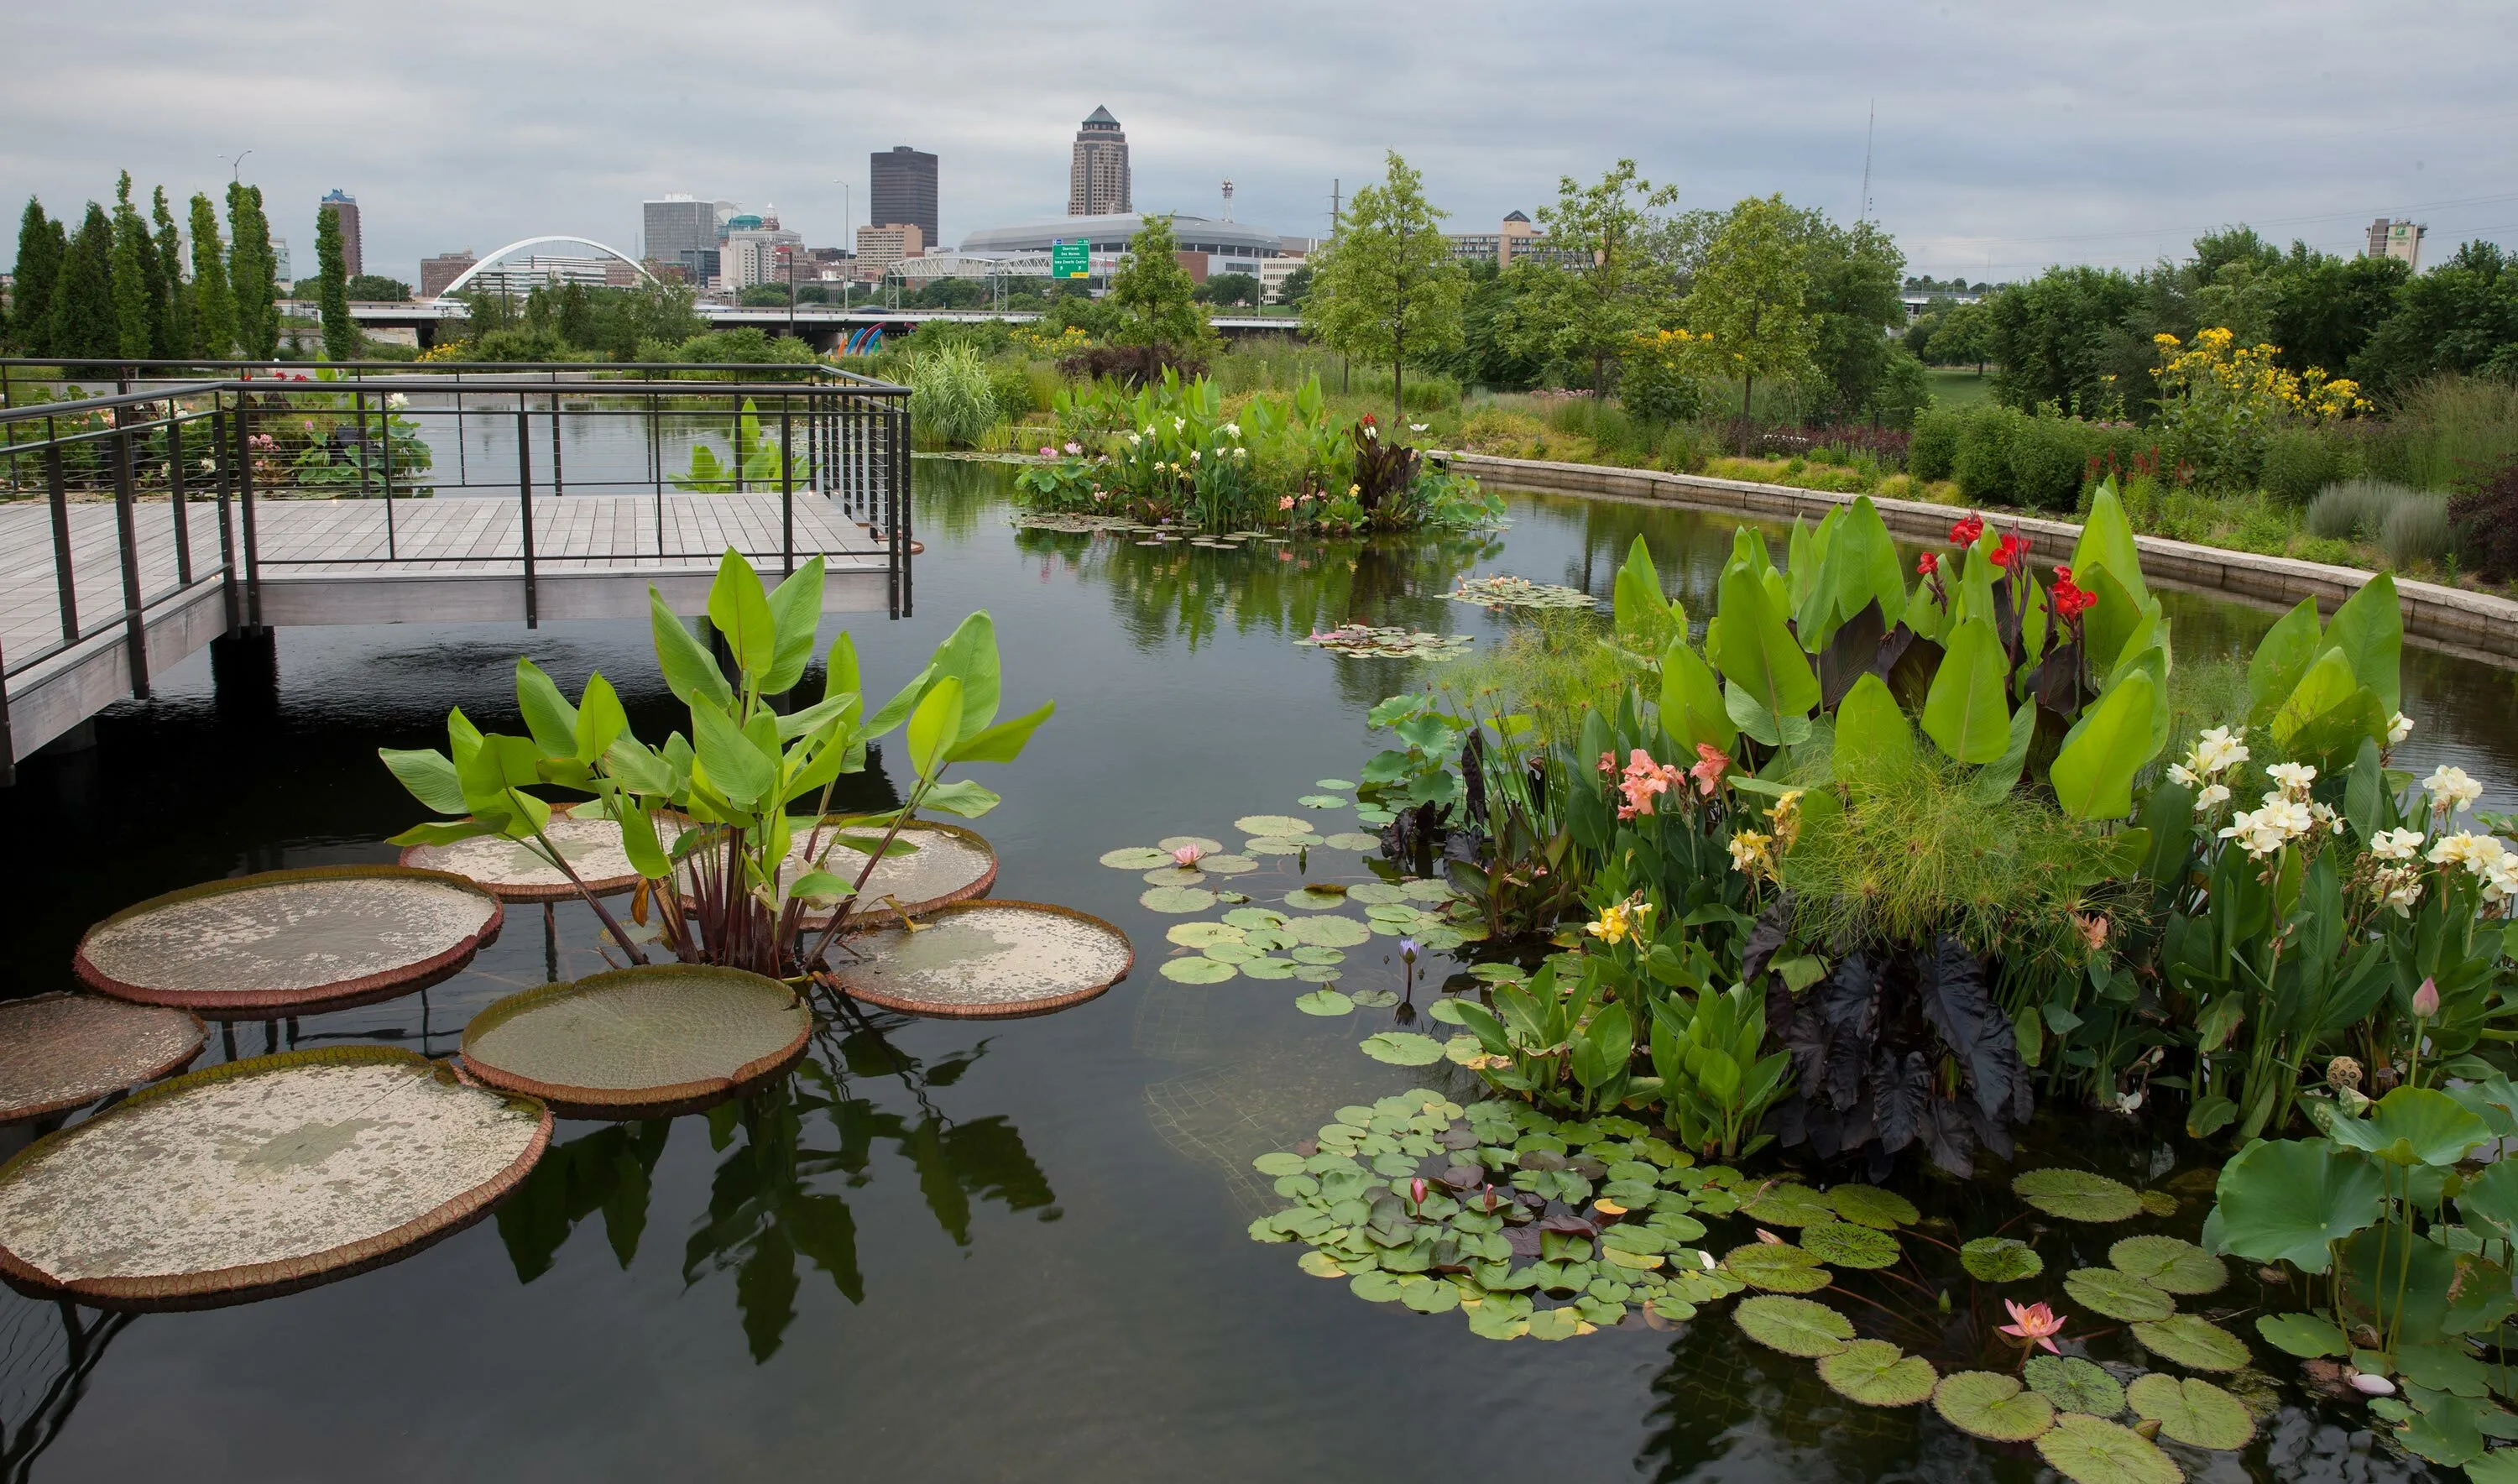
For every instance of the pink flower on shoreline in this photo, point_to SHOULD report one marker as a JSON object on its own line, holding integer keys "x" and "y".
{"x": 2033, "y": 1325}
{"x": 1711, "y": 762}
{"x": 1643, "y": 779}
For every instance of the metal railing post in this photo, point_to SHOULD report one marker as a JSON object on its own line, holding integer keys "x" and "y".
{"x": 786, "y": 489}
{"x": 385, "y": 442}
{"x": 226, "y": 470}
{"x": 559, "y": 482}
{"x": 65, "y": 576}
{"x": 525, "y": 504}
{"x": 902, "y": 473}
{"x": 126, "y": 532}
{"x": 175, "y": 496}
{"x": 244, "y": 487}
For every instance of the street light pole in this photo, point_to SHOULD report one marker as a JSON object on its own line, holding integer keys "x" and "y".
{"x": 236, "y": 171}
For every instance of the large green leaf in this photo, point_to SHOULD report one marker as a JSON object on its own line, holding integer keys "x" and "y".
{"x": 968, "y": 654}
{"x": 1988, "y": 1405}
{"x": 1872, "y": 738}
{"x": 935, "y": 727}
{"x": 2092, "y": 776}
{"x": 2089, "y": 1451}
{"x": 1860, "y": 567}
{"x": 1794, "y": 1326}
{"x": 1759, "y": 653}
{"x": 430, "y": 775}
{"x": 2369, "y": 628}
{"x": 2289, "y": 1199}
{"x": 2117, "y": 625}
{"x": 547, "y": 714}
{"x": 600, "y": 720}
{"x": 2107, "y": 544}
{"x": 690, "y": 672}
{"x": 796, "y": 615}
{"x": 1967, "y": 711}
{"x": 733, "y": 764}
{"x": 2330, "y": 712}
{"x": 2281, "y": 657}
{"x": 1002, "y": 742}
{"x": 1643, "y": 619}
{"x": 2413, "y": 1125}
{"x": 1877, "y": 1374}
{"x": 736, "y": 605}
{"x": 1692, "y": 710}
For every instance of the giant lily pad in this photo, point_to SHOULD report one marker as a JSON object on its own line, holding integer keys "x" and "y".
{"x": 2072, "y": 1194}
{"x": 2074, "y": 1385}
{"x": 2191, "y": 1412}
{"x": 1794, "y": 1326}
{"x": 518, "y": 872}
{"x": 945, "y": 865}
{"x": 985, "y": 959}
{"x": 1877, "y": 1374}
{"x": 2168, "y": 1264}
{"x": 261, "y": 1177}
{"x": 1990, "y": 1405}
{"x": 2087, "y": 1450}
{"x": 63, "y": 1051}
{"x": 2116, "y": 1294}
{"x": 639, "y": 1044}
{"x": 2000, "y": 1259}
{"x": 285, "y": 942}
{"x": 2196, "y": 1343}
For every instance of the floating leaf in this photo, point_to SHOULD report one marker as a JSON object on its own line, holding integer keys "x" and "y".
{"x": 1205, "y": 846}
{"x": 2160, "y": 1203}
{"x": 2194, "y": 1413}
{"x": 2117, "y": 1294}
{"x": 2087, "y": 1450}
{"x": 1321, "y": 802}
{"x": 1226, "y": 865}
{"x": 1198, "y": 934}
{"x": 1174, "y": 876}
{"x": 1267, "y": 968}
{"x": 1328, "y": 932}
{"x": 1342, "y": 785}
{"x": 1311, "y": 901}
{"x": 1323, "y": 1002}
{"x": 2306, "y": 1335}
{"x": 1402, "y": 1048}
{"x": 1777, "y": 1267}
{"x": 1308, "y": 954}
{"x": 1353, "y": 840}
{"x": 1197, "y": 971}
{"x": 1427, "y": 888}
{"x": 1374, "y": 999}
{"x": 1177, "y": 899}
{"x": 2193, "y": 1342}
{"x": 1271, "y": 847}
{"x": 2074, "y": 1385}
{"x": 1320, "y": 1264}
{"x": 1359, "y": 639}
{"x": 1278, "y": 1163}
{"x": 2072, "y": 1194}
{"x": 1426, "y": 1296}
{"x": 1232, "y": 953}
{"x": 1784, "y": 1204}
{"x": 1869, "y": 1206}
{"x": 1794, "y": 1326}
{"x": 2169, "y": 1265}
{"x": 1848, "y": 1245}
{"x": 1503, "y": 592}
{"x": 1250, "y": 918}
{"x": 1375, "y": 1286}
{"x": 1377, "y": 892}
{"x": 1877, "y": 1374}
{"x": 1136, "y": 857}
{"x": 2000, "y": 1259}
{"x": 1318, "y": 974}
{"x": 1992, "y": 1407}
{"x": 1265, "y": 825}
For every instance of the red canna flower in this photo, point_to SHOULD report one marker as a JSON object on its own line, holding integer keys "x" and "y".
{"x": 2010, "y": 550}
{"x": 1969, "y": 531}
{"x": 1928, "y": 564}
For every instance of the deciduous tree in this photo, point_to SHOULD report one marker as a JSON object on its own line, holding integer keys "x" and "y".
{"x": 1154, "y": 294}
{"x": 1388, "y": 287}
{"x": 1751, "y": 298}
{"x": 1604, "y": 283}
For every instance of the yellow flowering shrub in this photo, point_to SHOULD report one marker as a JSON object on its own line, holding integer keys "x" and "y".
{"x": 2219, "y": 400}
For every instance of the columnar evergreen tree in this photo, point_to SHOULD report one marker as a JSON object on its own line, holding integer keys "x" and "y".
{"x": 1389, "y": 287}
{"x": 41, "y": 245}
{"x": 250, "y": 268}
{"x": 175, "y": 321}
{"x": 134, "y": 257}
{"x": 1751, "y": 297}
{"x": 213, "y": 306}
{"x": 332, "y": 292}
{"x": 80, "y": 323}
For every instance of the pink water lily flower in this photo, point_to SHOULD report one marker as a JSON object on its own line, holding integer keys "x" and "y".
{"x": 2034, "y": 1325}
{"x": 1189, "y": 855}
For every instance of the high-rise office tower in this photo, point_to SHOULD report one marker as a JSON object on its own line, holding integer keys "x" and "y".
{"x": 680, "y": 232}
{"x": 1097, "y": 183}
{"x": 346, "y": 207}
{"x": 904, "y": 190}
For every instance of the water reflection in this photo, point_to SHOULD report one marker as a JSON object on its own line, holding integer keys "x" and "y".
{"x": 48, "y": 1351}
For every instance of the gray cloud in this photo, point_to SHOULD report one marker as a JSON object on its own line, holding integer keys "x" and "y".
{"x": 2010, "y": 133}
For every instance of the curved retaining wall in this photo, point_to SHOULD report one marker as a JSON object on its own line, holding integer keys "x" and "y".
{"x": 2473, "y": 624}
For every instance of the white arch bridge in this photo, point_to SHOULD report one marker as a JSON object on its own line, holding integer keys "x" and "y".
{"x": 505, "y": 267}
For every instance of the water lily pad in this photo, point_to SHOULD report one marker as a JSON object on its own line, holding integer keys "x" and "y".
{"x": 2000, "y": 1259}
{"x": 2169, "y": 1265}
{"x": 1318, "y": 974}
{"x": 2193, "y": 1342}
{"x": 1328, "y": 932}
{"x": 1342, "y": 785}
{"x": 1266, "y": 825}
{"x": 1232, "y": 953}
{"x": 1353, "y": 840}
{"x": 290, "y": 941}
{"x": 1266, "y": 846}
{"x": 1321, "y": 802}
{"x": 1320, "y": 1264}
{"x": 1869, "y": 1206}
{"x": 1848, "y": 1245}
{"x": 1198, "y": 934}
{"x": 2117, "y": 1294}
{"x": 2074, "y": 1385}
{"x": 1877, "y": 1374}
{"x": 2306, "y": 1335}
{"x": 1309, "y": 900}
{"x": 61, "y": 1051}
{"x": 2158, "y": 1203}
{"x": 2071, "y": 1195}
{"x": 1174, "y": 876}
{"x": 1363, "y": 641}
{"x": 1402, "y": 1048}
{"x": 1428, "y": 889}
{"x": 1136, "y": 857}
{"x": 1308, "y": 954}
{"x": 1248, "y": 918}
{"x": 1323, "y": 1002}
{"x": 1199, "y": 970}
{"x": 1786, "y": 1205}
{"x": 1267, "y": 968}
{"x": 1992, "y": 1407}
{"x": 988, "y": 958}
{"x": 1794, "y": 1326}
{"x": 1205, "y": 846}
{"x": 1503, "y": 591}
{"x": 1777, "y": 1267}
{"x": 1177, "y": 899}
{"x": 1226, "y": 865}
{"x": 2087, "y": 1450}
{"x": 2191, "y": 1412}
{"x": 1377, "y": 892}
{"x": 1392, "y": 912}
{"x": 638, "y": 1043}
{"x": 515, "y": 871}
{"x": 261, "y": 1177}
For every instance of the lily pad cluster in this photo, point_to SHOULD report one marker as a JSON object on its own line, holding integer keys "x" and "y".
{"x": 1503, "y": 592}
{"x": 1363, "y": 639}
{"x": 1528, "y": 1226}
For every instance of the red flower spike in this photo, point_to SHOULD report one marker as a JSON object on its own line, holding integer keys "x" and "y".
{"x": 1969, "y": 531}
{"x": 1928, "y": 564}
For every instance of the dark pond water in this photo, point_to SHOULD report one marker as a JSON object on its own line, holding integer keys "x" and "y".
{"x": 956, "y": 1251}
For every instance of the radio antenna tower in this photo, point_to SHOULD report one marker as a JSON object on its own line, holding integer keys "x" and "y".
{"x": 1227, "y": 201}
{"x": 1867, "y": 130}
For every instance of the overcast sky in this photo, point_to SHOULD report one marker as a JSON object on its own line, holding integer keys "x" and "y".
{"x": 2009, "y": 135}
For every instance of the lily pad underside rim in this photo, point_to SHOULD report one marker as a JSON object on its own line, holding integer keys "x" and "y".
{"x": 876, "y": 912}
{"x": 65, "y": 1050}
{"x": 255, "y": 1282}
{"x": 1053, "y": 996}
{"x": 263, "y": 1003}
{"x": 770, "y": 1009}
{"x": 544, "y": 885}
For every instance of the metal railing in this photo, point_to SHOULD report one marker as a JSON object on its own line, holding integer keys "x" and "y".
{"x": 392, "y": 434}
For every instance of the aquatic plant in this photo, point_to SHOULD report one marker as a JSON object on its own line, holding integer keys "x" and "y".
{"x": 754, "y": 462}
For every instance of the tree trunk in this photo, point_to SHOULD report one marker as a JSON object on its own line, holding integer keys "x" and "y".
{"x": 1748, "y": 385}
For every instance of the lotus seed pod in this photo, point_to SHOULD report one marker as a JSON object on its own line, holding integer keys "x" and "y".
{"x": 2342, "y": 1073}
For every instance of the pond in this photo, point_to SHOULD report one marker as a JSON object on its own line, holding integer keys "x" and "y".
{"x": 952, "y": 1251}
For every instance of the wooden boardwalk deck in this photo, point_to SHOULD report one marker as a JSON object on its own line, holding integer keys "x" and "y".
{"x": 353, "y": 561}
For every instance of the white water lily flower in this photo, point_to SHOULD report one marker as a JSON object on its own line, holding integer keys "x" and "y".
{"x": 2211, "y": 798}
{"x": 2451, "y": 790}
{"x": 2399, "y": 727}
{"x": 2293, "y": 777}
{"x": 397, "y": 401}
{"x": 2217, "y": 752}
{"x": 2395, "y": 845}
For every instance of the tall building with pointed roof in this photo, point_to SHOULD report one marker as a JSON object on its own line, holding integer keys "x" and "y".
{"x": 1096, "y": 183}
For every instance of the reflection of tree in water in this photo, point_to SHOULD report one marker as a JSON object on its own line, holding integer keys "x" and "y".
{"x": 48, "y": 1350}
{"x": 1727, "y": 1408}
{"x": 950, "y": 496}
{"x": 776, "y": 1195}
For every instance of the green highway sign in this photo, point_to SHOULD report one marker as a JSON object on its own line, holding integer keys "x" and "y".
{"x": 1070, "y": 260}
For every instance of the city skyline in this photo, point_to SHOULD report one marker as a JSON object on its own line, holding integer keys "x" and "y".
{"x": 2003, "y": 144}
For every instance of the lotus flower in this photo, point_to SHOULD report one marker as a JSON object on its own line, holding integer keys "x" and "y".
{"x": 1187, "y": 856}
{"x": 2033, "y": 1325}
{"x": 1417, "y": 1190}
{"x": 1769, "y": 1237}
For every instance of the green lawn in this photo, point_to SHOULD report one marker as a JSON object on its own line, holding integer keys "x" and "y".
{"x": 1957, "y": 386}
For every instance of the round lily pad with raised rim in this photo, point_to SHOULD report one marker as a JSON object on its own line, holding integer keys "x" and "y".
{"x": 639, "y": 1044}
{"x": 61, "y": 1051}
{"x": 947, "y": 864}
{"x": 2191, "y": 1412}
{"x": 1353, "y": 840}
{"x": 1991, "y": 1406}
{"x": 988, "y": 959}
{"x": 289, "y": 942}
{"x": 2087, "y": 1450}
{"x": 2192, "y": 1341}
{"x": 1847, "y": 1245}
{"x": 516, "y": 871}
{"x": 2074, "y": 1385}
{"x": 2000, "y": 1259}
{"x": 2072, "y": 1194}
{"x": 1794, "y": 1326}
{"x": 1197, "y": 971}
{"x": 261, "y": 1177}
{"x": 1877, "y": 1374}
{"x": 1136, "y": 857}
{"x": 1869, "y": 1206}
{"x": 2117, "y": 1294}
{"x": 1265, "y": 826}
{"x": 2169, "y": 1264}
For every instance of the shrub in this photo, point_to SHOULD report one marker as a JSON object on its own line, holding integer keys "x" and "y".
{"x": 1934, "y": 452}
{"x": 950, "y": 401}
{"x": 2486, "y": 517}
{"x": 1010, "y": 387}
{"x": 2045, "y": 464}
{"x": 2354, "y": 509}
{"x": 1983, "y": 465}
{"x": 2446, "y": 432}
{"x": 2298, "y": 465}
{"x": 2415, "y": 530}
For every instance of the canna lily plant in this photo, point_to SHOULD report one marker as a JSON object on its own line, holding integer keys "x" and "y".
{"x": 708, "y": 817}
